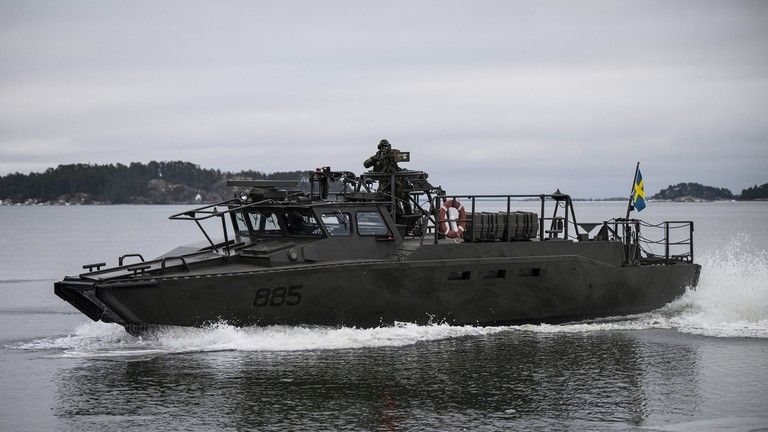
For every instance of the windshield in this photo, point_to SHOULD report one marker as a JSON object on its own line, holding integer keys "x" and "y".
{"x": 278, "y": 222}
{"x": 264, "y": 222}
{"x": 240, "y": 226}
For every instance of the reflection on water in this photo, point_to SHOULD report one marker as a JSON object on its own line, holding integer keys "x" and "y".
{"x": 505, "y": 379}
{"x": 662, "y": 370}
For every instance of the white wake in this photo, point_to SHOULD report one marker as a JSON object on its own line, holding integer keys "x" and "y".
{"x": 730, "y": 301}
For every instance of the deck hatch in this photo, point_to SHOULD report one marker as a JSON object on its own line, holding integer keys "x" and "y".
{"x": 464, "y": 275}
{"x": 494, "y": 274}
{"x": 529, "y": 272}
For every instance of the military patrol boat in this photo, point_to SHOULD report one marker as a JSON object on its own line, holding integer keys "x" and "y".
{"x": 387, "y": 246}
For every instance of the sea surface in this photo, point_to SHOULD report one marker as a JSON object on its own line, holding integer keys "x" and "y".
{"x": 699, "y": 363}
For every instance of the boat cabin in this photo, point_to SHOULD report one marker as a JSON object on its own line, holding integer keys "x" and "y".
{"x": 311, "y": 221}
{"x": 376, "y": 214}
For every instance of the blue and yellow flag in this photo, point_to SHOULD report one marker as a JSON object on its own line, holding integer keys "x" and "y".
{"x": 638, "y": 194}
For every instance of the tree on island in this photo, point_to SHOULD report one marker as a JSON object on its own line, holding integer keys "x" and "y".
{"x": 154, "y": 182}
{"x": 755, "y": 192}
{"x": 693, "y": 190}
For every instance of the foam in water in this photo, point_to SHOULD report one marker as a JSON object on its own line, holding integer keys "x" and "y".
{"x": 730, "y": 301}
{"x": 732, "y": 297}
{"x": 99, "y": 339}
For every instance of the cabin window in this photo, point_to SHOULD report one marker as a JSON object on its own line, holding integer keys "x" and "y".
{"x": 302, "y": 222}
{"x": 264, "y": 222}
{"x": 371, "y": 224}
{"x": 240, "y": 226}
{"x": 337, "y": 224}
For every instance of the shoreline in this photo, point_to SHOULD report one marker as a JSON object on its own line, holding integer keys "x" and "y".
{"x": 202, "y": 203}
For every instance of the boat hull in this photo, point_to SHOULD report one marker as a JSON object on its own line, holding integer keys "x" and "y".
{"x": 483, "y": 291}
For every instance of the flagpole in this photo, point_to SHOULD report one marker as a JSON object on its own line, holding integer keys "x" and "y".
{"x": 632, "y": 191}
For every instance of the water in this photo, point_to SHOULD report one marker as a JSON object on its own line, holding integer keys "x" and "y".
{"x": 700, "y": 363}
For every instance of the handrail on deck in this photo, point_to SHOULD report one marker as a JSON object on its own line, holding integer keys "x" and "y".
{"x": 131, "y": 255}
{"x": 149, "y": 263}
{"x": 625, "y": 230}
{"x": 629, "y": 231}
{"x": 557, "y": 197}
{"x": 180, "y": 258}
{"x": 192, "y": 214}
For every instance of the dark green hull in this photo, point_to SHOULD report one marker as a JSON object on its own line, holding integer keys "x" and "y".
{"x": 481, "y": 283}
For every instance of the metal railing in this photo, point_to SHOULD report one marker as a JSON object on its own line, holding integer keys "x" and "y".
{"x": 638, "y": 247}
{"x": 212, "y": 210}
{"x": 684, "y": 241}
{"x": 558, "y": 224}
{"x": 663, "y": 247}
{"x": 636, "y": 235}
{"x": 143, "y": 266}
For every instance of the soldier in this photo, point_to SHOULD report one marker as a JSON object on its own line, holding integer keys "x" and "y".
{"x": 385, "y": 161}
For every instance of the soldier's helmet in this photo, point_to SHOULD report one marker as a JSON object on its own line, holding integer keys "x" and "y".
{"x": 384, "y": 145}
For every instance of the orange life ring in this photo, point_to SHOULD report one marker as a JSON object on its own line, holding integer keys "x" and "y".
{"x": 444, "y": 226}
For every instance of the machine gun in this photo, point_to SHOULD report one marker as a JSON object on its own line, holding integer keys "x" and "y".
{"x": 387, "y": 160}
{"x": 324, "y": 176}
{"x": 268, "y": 189}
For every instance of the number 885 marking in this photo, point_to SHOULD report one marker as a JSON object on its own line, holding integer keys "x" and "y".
{"x": 278, "y": 296}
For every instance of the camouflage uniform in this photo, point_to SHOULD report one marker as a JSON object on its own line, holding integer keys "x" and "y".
{"x": 384, "y": 161}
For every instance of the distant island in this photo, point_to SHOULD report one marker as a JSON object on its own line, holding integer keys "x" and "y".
{"x": 755, "y": 192}
{"x": 693, "y": 192}
{"x": 688, "y": 192}
{"x": 178, "y": 182}
{"x": 172, "y": 182}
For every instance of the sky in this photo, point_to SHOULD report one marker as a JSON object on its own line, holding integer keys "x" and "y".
{"x": 488, "y": 96}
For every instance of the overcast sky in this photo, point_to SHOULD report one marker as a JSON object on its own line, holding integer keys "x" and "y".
{"x": 518, "y": 96}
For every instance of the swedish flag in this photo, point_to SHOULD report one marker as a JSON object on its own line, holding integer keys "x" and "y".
{"x": 638, "y": 194}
